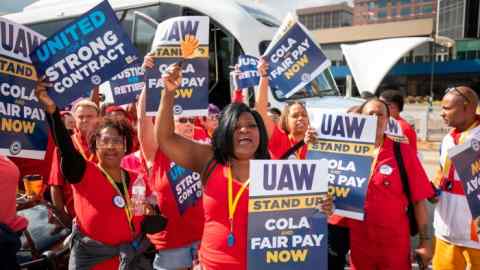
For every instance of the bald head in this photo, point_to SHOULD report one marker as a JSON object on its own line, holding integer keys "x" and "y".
{"x": 459, "y": 107}
{"x": 465, "y": 95}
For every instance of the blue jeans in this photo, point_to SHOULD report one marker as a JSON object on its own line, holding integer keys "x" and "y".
{"x": 171, "y": 259}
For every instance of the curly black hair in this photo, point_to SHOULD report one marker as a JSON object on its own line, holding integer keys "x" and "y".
{"x": 123, "y": 128}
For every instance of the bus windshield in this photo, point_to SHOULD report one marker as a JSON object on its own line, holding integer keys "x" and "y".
{"x": 321, "y": 86}
{"x": 261, "y": 16}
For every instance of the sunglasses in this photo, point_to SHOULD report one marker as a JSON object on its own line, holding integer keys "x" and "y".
{"x": 184, "y": 120}
{"x": 458, "y": 92}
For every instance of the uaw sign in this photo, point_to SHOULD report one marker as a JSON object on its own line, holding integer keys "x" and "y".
{"x": 394, "y": 131}
{"x": 23, "y": 130}
{"x": 186, "y": 186}
{"x": 82, "y": 55}
{"x": 347, "y": 142}
{"x": 191, "y": 97}
{"x": 295, "y": 59}
{"x": 285, "y": 228}
{"x": 466, "y": 159}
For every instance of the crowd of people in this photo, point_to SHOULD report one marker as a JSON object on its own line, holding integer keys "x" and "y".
{"x": 111, "y": 180}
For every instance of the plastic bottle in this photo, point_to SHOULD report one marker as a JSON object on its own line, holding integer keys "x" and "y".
{"x": 138, "y": 196}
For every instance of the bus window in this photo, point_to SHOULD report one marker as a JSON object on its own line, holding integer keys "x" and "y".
{"x": 322, "y": 85}
{"x": 143, "y": 32}
{"x": 141, "y": 23}
{"x": 49, "y": 28}
{"x": 262, "y": 17}
{"x": 224, "y": 50}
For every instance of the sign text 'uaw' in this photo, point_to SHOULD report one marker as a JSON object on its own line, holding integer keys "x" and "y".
{"x": 285, "y": 228}
{"x": 23, "y": 130}
{"x": 191, "y": 97}
{"x": 347, "y": 142}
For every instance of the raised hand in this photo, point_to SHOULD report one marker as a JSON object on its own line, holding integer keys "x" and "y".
{"x": 43, "y": 98}
{"x": 326, "y": 205}
{"x": 172, "y": 77}
{"x": 148, "y": 61}
{"x": 262, "y": 67}
{"x": 188, "y": 46}
{"x": 311, "y": 136}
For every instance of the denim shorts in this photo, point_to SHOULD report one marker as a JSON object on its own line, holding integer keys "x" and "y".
{"x": 171, "y": 259}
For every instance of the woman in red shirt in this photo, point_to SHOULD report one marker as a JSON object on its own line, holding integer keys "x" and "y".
{"x": 293, "y": 121}
{"x": 102, "y": 194}
{"x": 240, "y": 137}
{"x": 178, "y": 193}
{"x": 382, "y": 239}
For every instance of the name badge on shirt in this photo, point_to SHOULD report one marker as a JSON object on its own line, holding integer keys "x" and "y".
{"x": 118, "y": 201}
{"x": 386, "y": 169}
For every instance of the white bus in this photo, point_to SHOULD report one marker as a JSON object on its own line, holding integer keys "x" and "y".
{"x": 236, "y": 27}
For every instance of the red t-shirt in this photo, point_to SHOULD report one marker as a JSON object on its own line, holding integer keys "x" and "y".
{"x": 134, "y": 163}
{"x": 386, "y": 202}
{"x": 214, "y": 253}
{"x": 280, "y": 143}
{"x": 8, "y": 187}
{"x": 56, "y": 176}
{"x": 182, "y": 228}
{"x": 97, "y": 215}
{"x": 408, "y": 132}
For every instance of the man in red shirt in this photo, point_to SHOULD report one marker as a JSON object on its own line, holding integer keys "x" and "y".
{"x": 395, "y": 101}
{"x": 86, "y": 115}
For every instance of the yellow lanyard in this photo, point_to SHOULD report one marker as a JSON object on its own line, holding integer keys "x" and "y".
{"x": 126, "y": 196}
{"x": 80, "y": 148}
{"x": 232, "y": 203}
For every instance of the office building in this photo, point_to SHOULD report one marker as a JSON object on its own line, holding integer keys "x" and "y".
{"x": 329, "y": 16}
{"x": 380, "y": 11}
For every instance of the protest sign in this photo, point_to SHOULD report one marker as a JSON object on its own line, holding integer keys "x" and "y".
{"x": 83, "y": 54}
{"x": 186, "y": 186}
{"x": 191, "y": 98}
{"x": 466, "y": 159}
{"x": 394, "y": 131}
{"x": 23, "y": 130}
{"x": 295, "y": 59}
{"x": 347, "y": 142}
{"x": 285, "y": 228}
{"x": 248, "y": 75}
{"x": 127, "y": 85}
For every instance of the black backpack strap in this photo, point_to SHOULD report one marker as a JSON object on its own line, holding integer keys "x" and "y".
{"x": 403, "y": 171}
{"x": 412, "y": 220}
{"x": 292, "y": 149}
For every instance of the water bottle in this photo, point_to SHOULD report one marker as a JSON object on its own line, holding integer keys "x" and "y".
{"x": 138, "y": 196}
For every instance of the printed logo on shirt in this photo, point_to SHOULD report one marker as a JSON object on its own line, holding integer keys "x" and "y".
{"x": 118, "y": 201}
{"x": 386, "y": 169}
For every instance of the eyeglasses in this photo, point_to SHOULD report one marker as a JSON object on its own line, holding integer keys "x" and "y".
{"x": 458, "y": 92}
{"x": 103, "y": 142}
{"x": 184, "y": 120}
{"x": 213, "y": 117}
